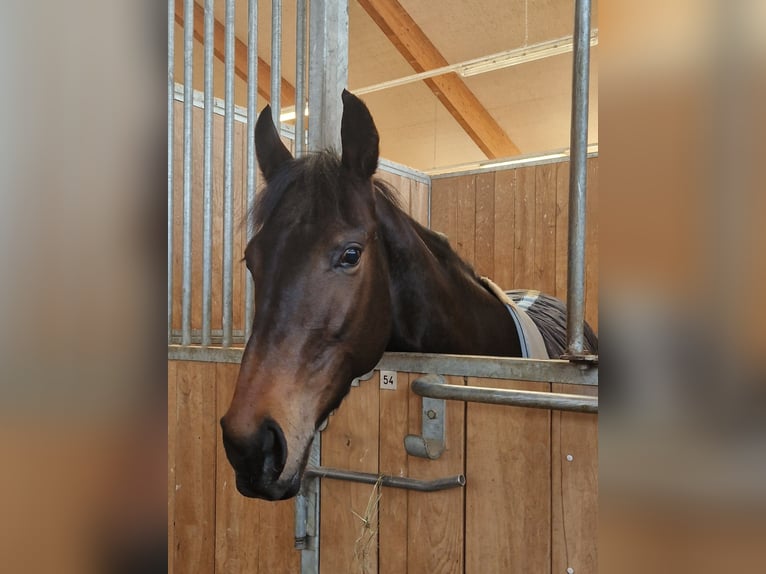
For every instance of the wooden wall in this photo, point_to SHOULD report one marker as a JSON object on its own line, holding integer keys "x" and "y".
{"x": 525, "y": 508}
{"x": 511, "y": 225}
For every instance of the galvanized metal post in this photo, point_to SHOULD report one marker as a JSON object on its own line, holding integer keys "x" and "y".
{"x": 171, "y": 135}
{"x": 578, "y": 179}
{"x": 187, "y": 208}
{"x": 207, "y": 184}
{"x": 328, "y": 76}
{"x": 300, "y": 78}
{"x": 276, "y": 61}
{"x": 252, "y": 99}
{"x": 228, "y": 175}
{"x": 328, "y": 71}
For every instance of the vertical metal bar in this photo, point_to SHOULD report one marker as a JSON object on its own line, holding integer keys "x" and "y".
{"x": 207, "y": 186}
{"x": 252, "y": 99}
{"x": 276, "y": 60}
{"x": 171, "y": 136}
{"x": 228, "y": 174}
{"x": 578, "y": 178}
{"x": 300, "y": 77}
{"x": 328, "y": 75}
{"x": 187, "y": 211}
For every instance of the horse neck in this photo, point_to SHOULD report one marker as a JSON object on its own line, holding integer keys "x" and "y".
{"x": 438, "y": 304}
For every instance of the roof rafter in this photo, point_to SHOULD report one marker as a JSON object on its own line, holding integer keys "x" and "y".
{"x": 240, "y": 54}
{"x": 422, "y": 55}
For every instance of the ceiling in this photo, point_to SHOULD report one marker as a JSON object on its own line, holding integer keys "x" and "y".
{"x": 529, "y": 102}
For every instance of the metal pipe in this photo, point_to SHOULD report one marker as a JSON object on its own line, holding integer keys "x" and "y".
{"x": 207, "y": 184}
{"x": 387, "y": 480}
{"x": 252, "y": 100}
{"x": 228, "y": 174}
{"x": 301, "y": 516}
{"x": 187, "y": 208}
{"x": 300, "y": 78}
{"x": 276, "y": 60}
{"x": 578, "y": 179}
{"x": 529, "y": 399}
{"x": 171, "y": 136}
{"x": 550, "y": 371}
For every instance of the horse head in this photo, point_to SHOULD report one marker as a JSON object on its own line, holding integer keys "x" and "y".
{"x": 321, "y": 297}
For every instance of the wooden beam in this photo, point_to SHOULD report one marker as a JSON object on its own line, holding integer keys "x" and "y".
{"x": 240, "y": 54}
{"x": 414, "y": 45}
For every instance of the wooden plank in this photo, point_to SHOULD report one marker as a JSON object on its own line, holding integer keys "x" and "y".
{"x": 574, "y": 495}
{"x": 393, "y": 460}
{"x": 444, "y": 208}
{"x": 524, "y": 229}
{"x": 484, "y": 258}
{"x": 419, "y": 202}
{"x": 240, "y": 54}
{"x": 508, "y": 485}
{"x": 419, "y": 51}
{"x": 562, "y": 228}
{"x": 349, "y": 442}
{"x": 591, "y": 245}
{"x": 251, "y": 535}
{"x": 505, "y": 221}
{"x": 172, "y": 430}
{"x": 195, "y": 468}
{"x": 545, "y": 228}
{"x": 435, "y": 519}
{"x": 466, "y": 218}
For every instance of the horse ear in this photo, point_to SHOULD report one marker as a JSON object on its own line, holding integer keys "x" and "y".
{"x": 359, "y": 137}
{"x": 269, "y": 149}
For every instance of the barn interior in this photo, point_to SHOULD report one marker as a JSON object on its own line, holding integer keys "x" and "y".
{"x": 506, "y": 93}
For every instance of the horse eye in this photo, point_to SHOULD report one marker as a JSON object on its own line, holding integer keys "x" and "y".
{"x": 351, "y": 257}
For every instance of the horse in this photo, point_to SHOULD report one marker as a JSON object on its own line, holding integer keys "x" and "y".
{"x": 342, "y": 274}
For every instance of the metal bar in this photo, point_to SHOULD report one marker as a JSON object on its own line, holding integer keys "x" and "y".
{"x": 171, "y": 137}
{"x": 578, "y": 179}
{"x": 550, "y": 371}
{"x": 228, "y": 174}
{"x": 529, "y": 399}
{"x": 301, "y": 519}
{"x": 187, "y": 207}
{"x": 386, "y": 480}
{"x": 252, "y": 100}
{"x": 300, "y": 78}
{"x": 207, "y": 184}
{"x": 276, "y": 60}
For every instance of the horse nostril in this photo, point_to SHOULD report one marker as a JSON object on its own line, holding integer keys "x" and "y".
{"x": 273, "y": 447}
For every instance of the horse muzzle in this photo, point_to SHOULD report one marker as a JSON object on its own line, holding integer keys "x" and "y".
{"x": 258, "y": 460}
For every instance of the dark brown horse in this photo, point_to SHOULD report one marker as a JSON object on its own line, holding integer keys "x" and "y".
{"x": 341, "y": 275}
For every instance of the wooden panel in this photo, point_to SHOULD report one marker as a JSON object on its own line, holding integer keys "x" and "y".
{"x": 562, "y": 228}
{"x": 505, "y": 208}
{"x": 393, "y": 460}
{"x": 172, "y": 429}
{"x": 195, "y": 468}
{"x": 508, "y": 485}
{"x": 419, "y": 202}
{"x": 349, "y": 442}
{"x": 524, "y": 229}
{"x": 545, "y": 228}
{"x": 575, "y": 487}
{"x": 591, "y": 243}
{"x": 465, "y": 240}
{"x": 435, "y": 519}
{"x": 444, "y": 207}
{"x": 484, "y": 258}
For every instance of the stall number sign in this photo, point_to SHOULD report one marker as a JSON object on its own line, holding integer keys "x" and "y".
{"x": 388, "y": 380}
